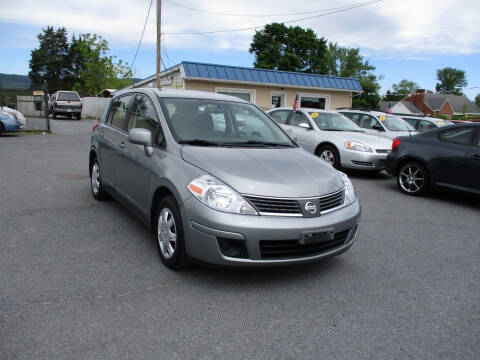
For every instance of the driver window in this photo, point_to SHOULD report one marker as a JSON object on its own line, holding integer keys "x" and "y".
{"x": 298, "y": 118}
{"x": 143, "y": 116}
{"x": 367, "y": 122}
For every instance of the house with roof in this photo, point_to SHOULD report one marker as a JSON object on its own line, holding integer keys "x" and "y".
{"x": 430, "y": 104}
{"x": 265, "y": 88}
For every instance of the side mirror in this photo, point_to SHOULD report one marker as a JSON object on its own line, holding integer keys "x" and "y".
{"x": 141, "y": 137}
{"x": 378, "y": 127}
{"x": 304, "y": 125}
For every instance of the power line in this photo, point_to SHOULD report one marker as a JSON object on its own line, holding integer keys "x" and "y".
{"x": 285, "y": 22}
{"x": 249, "y": 15}
{"x": 164, "y": 44}
{"x": 143, "y": 32}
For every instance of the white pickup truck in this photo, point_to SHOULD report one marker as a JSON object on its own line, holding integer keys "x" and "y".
{"x": 66, "y": 103}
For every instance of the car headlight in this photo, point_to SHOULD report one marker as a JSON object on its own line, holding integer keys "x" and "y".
{"x": 356, "y": 146}
{"x": 350, "y": 195}
{"x": 219, "y": 196}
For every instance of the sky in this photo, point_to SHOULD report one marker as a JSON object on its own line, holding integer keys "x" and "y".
{"x": 403, "y": 39}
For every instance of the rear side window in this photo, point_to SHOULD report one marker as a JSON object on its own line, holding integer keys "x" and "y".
{"x": 367, "y": 122}
{"x": 297, "y": 119}
{"x": 280, "y": 116}
{"x": 352, "y": 116}
{"x": 67, "y": 96}
{"x": 460, "y": 136}
{"x": 117, "y": 114}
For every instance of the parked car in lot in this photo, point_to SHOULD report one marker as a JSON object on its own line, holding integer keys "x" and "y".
{"x": 214, "y": 192}
{"x": 379, "y": 123}
{"x": 66, "y": 103}
{"x": 8, "y": 122}
{"x": 447, "y": 157}
{"x": 334, "y": 138}
{"x": 17, "y": 114}
{"x": 421, "y": 123}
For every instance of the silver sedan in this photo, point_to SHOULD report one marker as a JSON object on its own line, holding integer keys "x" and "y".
{"x": 334, "y": 138}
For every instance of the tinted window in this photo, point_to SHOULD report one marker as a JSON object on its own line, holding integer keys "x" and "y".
{"x": 117, "y": 114}
{"x": 424, "y": 125}
{"x": 143, "y": 116}
{"x": 298, "y": 118}
{"x": 67, "y": 96}
{"x": 394, "y": 123}
{"x": 352, "y": 116}
{"x": 280, "y": 116}
{"x": 461, "y": 136}
{"x": 313, "y": 102}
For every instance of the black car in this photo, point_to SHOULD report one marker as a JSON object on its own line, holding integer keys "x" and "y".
{"x": 447, "y": 157}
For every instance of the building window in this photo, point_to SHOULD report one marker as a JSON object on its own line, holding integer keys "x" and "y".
{"x": 244, "y": 94}
{"x": 314, "y": 101}
{"x": 278, "y": 99}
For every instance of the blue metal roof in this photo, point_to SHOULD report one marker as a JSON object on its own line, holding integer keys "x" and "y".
{"x": 236, "y": 73}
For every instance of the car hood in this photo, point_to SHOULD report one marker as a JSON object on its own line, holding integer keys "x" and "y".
{"x": 374, "y": 141}
{"x": 284, "y": 172}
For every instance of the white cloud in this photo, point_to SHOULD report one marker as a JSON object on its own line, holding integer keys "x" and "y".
{"x": 407, "y": 28}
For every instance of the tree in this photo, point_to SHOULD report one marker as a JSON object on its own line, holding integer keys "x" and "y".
{"x": 405, "y": 87}
{"x": 477, "y": 100}
{"x": 279, "y": 47}
{"x": 92, "y": 69}
{"x": 50, "y": 60}
{"x": 451, "y": 81}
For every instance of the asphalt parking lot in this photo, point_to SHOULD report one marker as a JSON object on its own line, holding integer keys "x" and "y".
{"x": 81, "y": 279}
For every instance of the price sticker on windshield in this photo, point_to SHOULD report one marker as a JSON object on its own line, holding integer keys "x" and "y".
{"x": 314, "y": 115}
{"x": 441, "y": 122}
{"x": 382, "y": 118}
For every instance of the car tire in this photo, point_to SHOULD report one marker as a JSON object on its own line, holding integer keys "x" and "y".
{"x": 98, "y": 191}
{"x": 412, "y": 178}
{"x": 329, "y": 153}
{"x": 1, "y": 129}
{"x": 169, "y": 237}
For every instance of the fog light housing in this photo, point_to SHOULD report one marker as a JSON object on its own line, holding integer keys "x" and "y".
{"x": 233, "y": 248}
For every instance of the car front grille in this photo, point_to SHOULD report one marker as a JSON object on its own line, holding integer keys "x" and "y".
{"x": 275, "y": 249}
{"x": 292, "y": 206}
{"x": 362, "y": 163}
{"x": 331, "y": 201}
{"x": 275, "y": 206}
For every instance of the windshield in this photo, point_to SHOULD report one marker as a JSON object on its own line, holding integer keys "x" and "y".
{"x": 67, "y": 96}
{"x": 333, "y": 122}
{"x": 221, "y": 123}
{"x": 394, "y": 123}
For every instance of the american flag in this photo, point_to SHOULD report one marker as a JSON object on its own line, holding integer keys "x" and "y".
{"x": 296, "y": 103}
{"x": 389, "y": 107}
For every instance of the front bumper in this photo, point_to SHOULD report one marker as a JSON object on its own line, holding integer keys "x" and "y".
{"x": 363, "y": 160}
{"x": 204, "y": 226}
{"x": 11, "y": 127}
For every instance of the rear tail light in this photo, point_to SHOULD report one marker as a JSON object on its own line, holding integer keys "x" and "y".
{"x": 395, "y": 143}
{"x": 95, "y": 127}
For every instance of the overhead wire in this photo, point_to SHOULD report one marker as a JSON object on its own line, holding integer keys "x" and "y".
{"x": 141, "y": 36}
{"x": 285, "y": 22}
{"x": 249, "y": 15}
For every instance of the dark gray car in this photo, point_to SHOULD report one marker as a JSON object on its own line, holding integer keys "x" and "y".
{"x": 218, "y": 181}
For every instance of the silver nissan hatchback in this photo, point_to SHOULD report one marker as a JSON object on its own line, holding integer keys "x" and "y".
{"x": 218, "y": 181}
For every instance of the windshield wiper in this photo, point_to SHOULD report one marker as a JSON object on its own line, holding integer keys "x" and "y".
{"x": 258, "y": 142}
{"x": 200, "y": 142}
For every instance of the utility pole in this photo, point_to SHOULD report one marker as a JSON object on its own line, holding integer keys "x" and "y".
{"x": 159, "y": 39}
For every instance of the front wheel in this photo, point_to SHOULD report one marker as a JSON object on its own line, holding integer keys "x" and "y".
{"x": 330, "y": 154}
{"x": 169, "y": 236}
{"x": 412, "y": 178}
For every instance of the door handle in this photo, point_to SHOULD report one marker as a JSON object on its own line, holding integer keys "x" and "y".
{"x": 122, "y": 144}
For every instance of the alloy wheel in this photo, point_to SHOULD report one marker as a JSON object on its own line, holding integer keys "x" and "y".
{"x": 167, "y": 233}
{"x": 411, "y": 178}
{"x": 328, "y": 156}
{"x": 95, "y": 178}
